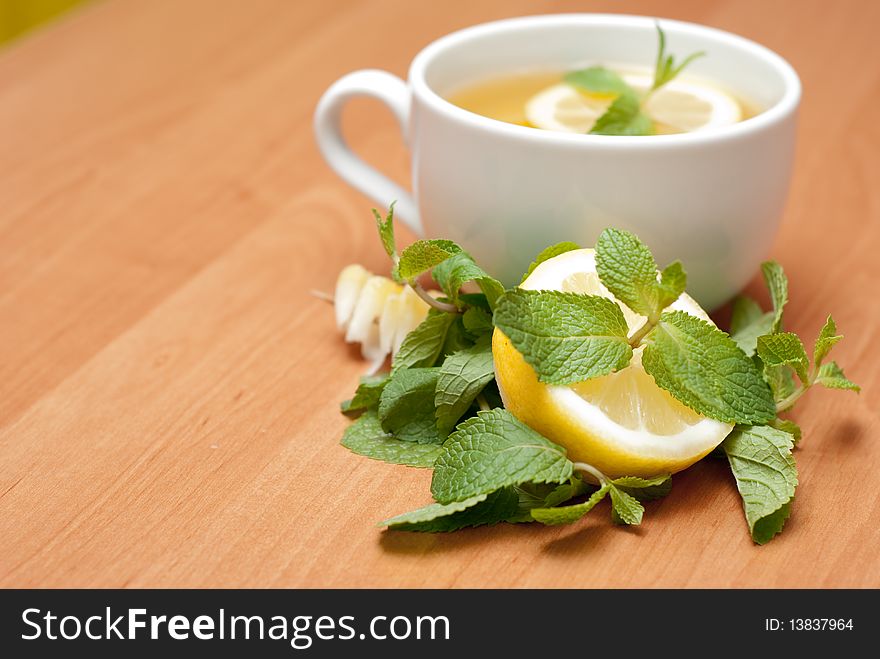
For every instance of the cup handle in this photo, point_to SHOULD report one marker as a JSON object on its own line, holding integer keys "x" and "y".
{"x": 393, "y": 92}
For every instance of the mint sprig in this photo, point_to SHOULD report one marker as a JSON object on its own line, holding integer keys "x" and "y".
{"x": 494, "y": 450}
{"x": 827, "y": 339}
{"x": 777, "y": 284}
{"x": 627, "y": 493}
{"x": 760, "y": 456}
{"x": 463, "y": 375}
{"x": 628, "y": 269}
{"x": 406, "y": 406}
{"x": 766, "y": 476}
{"x": 459, "y": 269}
{"x": 565, "y": 337}
{"x": 784, "y": 349}
{"x": 625, "y": 508}
{"x": 598, "y": 80}
{"x": 645, "y": 489}
{"x": 625, "y": 115}
{"x": 569, "y": 514}
{"x": 385, "y": 227}
{"x": 747, "y": 322}
{"x": 666, "y": 69}
{"x": 783, "y": 356}
{"x": 424, "y": 345}
{"x": 704, "y": 369}
{"x": 367, "y": 437}
{"x": 440, "y": 406}
{"x": 366, "y": 396}
{"x": 482, "y": 509}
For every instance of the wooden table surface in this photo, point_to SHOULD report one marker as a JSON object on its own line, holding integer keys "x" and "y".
{"x": 169, "y": 389}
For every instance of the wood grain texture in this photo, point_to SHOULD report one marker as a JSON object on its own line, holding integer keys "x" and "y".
{"x": 169, "y": 390}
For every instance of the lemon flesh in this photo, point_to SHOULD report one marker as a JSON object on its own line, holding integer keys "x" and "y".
{"x": 623, "y": 423}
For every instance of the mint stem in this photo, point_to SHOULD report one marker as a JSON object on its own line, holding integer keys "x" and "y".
{"x": 483, "y": 403}
{"x": 789, "y": 401}
{"x": 641, "y": 333}
{"x": 592, "y": 471}
{"x": 437, "y": 304}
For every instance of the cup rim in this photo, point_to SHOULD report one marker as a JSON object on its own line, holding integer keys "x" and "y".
{"x": 775, "y": 114}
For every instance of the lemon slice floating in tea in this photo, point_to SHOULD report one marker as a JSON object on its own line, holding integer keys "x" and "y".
{"x": 565, "y": 109}
{"x": 622, "y": 423}
{"x": 680, "y": 106}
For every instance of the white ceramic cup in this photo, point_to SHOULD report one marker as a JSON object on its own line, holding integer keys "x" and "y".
{"x": 712, "y": 199}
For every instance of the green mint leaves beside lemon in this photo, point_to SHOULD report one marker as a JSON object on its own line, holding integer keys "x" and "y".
{"x": 440, "y": 406}
{"x": 626, "y": 115}
{"x": 766, "y": 476}
{"x": 565, "y": 337}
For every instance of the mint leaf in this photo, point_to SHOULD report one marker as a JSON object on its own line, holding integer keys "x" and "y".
{"x": 386, "y": 231}
{"x": 598, "y": 80}
{"x": 462, "y": 377}
{"x": 406, "y": 406}
{"x": 565, "y": 337}
{"x": 777, "y": 283}
{"x": 548, "y": 253}
{"x": 766, "y": 476}
{"x": 784, "y": 349}
{"x": 482, "y": 509}
{"x": 826, "y": 340}
{"x": 457, "y": 337}
{"x": 645, "y": 489}
{"x": 831, "y": 375}
{"x": 569, "y": 514}
{"x": 748, "y": 321}
{"x": 673, "y": 281}
{"x": 562, "y": 493}
{"x": 475, "y": 300}
{"x": 786, "y": 425}
{"x": 477, "y": 322}
{"x": 625, "y": 508}
{"x": 423, "y": 255}
{"x": 366, "y": 437}
{"x": 494, "y": 450}
{"x": 531, "y": 496}
{"x": 367, "y": 394}
{"x": 704, "y": 369}
{"x": 423, "y": 346}
{"x": 745, "y": 311}
{"x": 459, "y": 269}
{"x": 666, "y": 69}
{"x": 624, "y": 117}
{"x": 636, "y": 482}
{"x": 627, "y": 268}
{"x": 781, "y": 381}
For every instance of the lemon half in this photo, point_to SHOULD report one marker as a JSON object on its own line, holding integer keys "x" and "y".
{"x": 680, "y": 106}
{"x": 623, "y": 423}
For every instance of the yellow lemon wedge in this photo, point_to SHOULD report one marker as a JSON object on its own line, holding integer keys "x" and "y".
{"x": 680, "y": 106}
{"x": 623, "y": 423}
